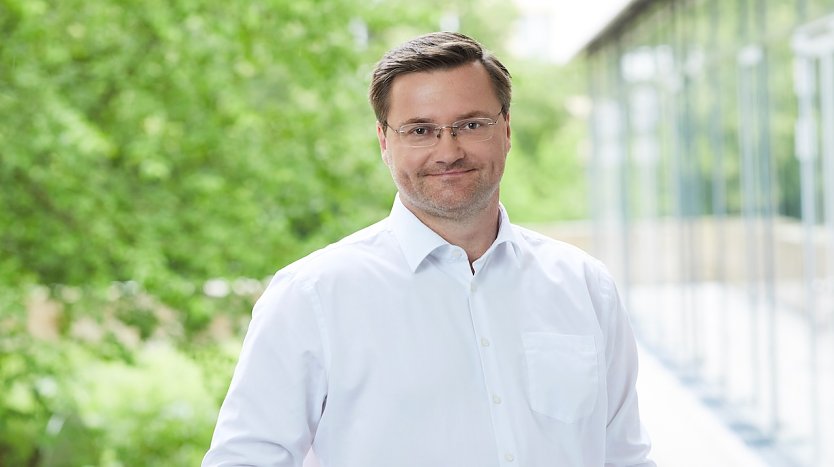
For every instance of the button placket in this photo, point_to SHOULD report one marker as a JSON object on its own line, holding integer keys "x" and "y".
{"x": 503, "y": 430}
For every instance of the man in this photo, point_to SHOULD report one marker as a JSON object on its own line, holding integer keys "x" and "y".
{"x": 443, "y": 335}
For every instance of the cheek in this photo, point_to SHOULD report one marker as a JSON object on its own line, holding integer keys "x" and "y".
{"x": 401, "y": 163}
{"x": 501, "y": 166}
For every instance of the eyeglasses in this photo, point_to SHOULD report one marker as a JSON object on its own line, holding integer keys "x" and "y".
{"x": 424, "y": 135}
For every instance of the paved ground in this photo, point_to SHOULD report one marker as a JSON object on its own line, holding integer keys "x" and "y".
{"x": 764, "y": 367}
{"x": 684, "y": 432}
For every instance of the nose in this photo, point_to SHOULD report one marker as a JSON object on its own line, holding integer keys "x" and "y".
{"x": 448, "y": 150}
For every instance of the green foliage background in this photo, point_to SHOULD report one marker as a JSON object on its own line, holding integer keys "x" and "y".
{"x": 147, "y": 147}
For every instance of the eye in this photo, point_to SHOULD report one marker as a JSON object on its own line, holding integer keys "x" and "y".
{"x": 471, "y": 125}
{"x": 420, "y": 130}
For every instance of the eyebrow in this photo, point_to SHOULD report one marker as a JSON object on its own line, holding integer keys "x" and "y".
{"x": 472, "y": 114}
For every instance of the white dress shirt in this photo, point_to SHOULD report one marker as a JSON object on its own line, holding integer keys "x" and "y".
{"x": 385, "y": 350}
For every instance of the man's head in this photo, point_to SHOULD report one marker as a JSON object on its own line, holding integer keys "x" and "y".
{"x": 435, "y": 51}
{"x": 443, "y": 125}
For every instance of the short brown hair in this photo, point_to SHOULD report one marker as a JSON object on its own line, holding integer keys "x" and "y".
{"x": 435, "y": 51}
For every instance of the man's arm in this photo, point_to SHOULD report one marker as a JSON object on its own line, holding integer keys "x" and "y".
{"x": 627, "y": 443}
{"x": 275, "y": 400}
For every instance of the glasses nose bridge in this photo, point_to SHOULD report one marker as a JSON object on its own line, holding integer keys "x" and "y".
{"x": 453, "y": 130}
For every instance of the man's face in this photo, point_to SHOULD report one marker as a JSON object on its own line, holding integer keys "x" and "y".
{"x": 453, "y": 179}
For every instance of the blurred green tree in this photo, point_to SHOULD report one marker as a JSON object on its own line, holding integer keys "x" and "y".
{"x": 164, "y": 142}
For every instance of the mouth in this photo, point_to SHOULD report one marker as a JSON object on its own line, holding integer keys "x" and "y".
{"x": 450, "y": 173}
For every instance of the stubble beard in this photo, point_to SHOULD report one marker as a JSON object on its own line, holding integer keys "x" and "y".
{"x": 431, "y": 200}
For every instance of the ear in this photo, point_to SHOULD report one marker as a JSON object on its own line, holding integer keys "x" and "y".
{"x": 383, "y": 142}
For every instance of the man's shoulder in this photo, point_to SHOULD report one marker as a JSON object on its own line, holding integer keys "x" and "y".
{"x": 569, "y": 260}
{"x": 370, "y": 243}
{"x": 546, "y": 247}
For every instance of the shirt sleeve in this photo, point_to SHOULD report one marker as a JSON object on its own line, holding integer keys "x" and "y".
{"x": 627, "y": 442}
{"x": 276, "y": 397}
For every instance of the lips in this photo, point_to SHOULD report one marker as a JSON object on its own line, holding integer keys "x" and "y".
{"x": 448, "y": 173}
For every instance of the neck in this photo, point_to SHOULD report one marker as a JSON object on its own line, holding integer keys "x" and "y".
{"x": 475, "y": 233}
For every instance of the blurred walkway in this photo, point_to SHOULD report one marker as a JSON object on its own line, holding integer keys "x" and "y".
{"x": 684, "y": 432}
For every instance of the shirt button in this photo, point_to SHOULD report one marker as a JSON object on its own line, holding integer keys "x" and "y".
{"x": 484, "y": 342}
{"x": 496, "y": 400}
{"x": 509, "y": 457}
{"x": 472, "y": 287}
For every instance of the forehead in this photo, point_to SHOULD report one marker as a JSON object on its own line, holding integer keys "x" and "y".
{"x": 442, "y": 94}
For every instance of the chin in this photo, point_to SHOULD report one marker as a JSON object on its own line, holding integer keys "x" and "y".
{"x": 457, "y": 209}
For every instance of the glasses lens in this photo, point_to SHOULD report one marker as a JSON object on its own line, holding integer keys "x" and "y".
{"x": 474, "y": 129}
{"x": 418, "y": 135}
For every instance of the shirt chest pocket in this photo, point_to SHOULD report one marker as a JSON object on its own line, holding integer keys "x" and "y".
{"x": 562, "y": 373}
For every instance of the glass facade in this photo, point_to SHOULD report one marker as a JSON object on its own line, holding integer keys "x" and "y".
{"x": 712, "y": 188}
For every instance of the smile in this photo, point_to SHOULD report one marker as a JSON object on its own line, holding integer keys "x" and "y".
{"x": 450, "y": 173}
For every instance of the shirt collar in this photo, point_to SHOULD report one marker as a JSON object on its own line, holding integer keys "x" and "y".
{"x": 417, "y": 241}
{"x": 507, "y": 234}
